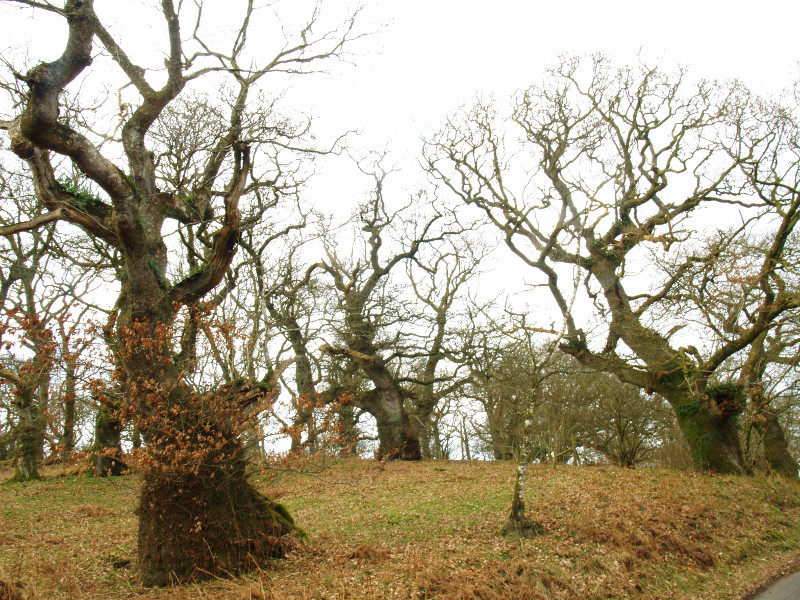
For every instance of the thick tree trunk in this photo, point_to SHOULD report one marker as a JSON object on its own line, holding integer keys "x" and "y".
{"x": 68, "y": 433}
{"x": 713, "y": 439}
{"x": 198, "y": 515}
{"x": 26, "y": 465}
{"x": 107, "y": 451}
{"x": 207, "y": 519}
{"x": 708, "y": 418}
{"x": 398, "y": 437}
{"x": 776, "y": 450}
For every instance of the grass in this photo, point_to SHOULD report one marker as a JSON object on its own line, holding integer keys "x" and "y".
{"x": 431, "y": 530}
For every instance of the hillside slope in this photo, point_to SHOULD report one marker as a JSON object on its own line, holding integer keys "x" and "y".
{"x": 430, "y": 530}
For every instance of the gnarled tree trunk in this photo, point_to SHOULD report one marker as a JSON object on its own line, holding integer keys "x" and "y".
{"x": 765, "y": 418}
{"x": 107, "y": 450}
{"x": 776, "y": 449}
{"x": 28, "y": 435}
{"x": 398, "y": 437}
{"x": 198, "y": 513}
{"x": 713, "y": 438}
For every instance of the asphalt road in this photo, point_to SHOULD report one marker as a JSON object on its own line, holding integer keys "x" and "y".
{"x": 785, "y": 588}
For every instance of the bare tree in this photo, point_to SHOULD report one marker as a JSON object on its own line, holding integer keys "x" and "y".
{"x": 720, "y": 297}
{"x": 30, "y": 306}
{"x": 373, "y": 315}
{"x": 195, "y": 487}
{"x": 759, "y": 377}
{"x": 438, "y": 278}
{"x": 288, "y": 302}
{"x": 611, "y": 164}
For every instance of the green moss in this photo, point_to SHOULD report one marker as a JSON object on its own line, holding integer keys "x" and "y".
{"x": 197, "y": 269}
{"x": 190, "y": 202}
{"x": 158, "y": 273}
{"x": 82, "y": 199}
{"x": 283, "y": 512}
{"x": 688, "y": 410}
{"x": 727, "y": 390}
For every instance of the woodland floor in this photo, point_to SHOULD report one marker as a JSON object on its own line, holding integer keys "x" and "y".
{"x": 431, "y": 530}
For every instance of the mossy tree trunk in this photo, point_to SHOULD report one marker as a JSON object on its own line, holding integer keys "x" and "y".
{"x": 189, "y": 529}
{"x": 207, "y": 518}
{"x": 713, "y": 438}
{"x": 26, "y": 455}
{"x": 107, "y": 458}
{"x": 398, "y": 437}
{"x": 764, "y": 417}
{"x": 198, "y": 514}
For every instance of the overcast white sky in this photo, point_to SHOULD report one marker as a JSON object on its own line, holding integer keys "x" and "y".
{"x": 426, "y": 57}
{"x": 436, "y": 54}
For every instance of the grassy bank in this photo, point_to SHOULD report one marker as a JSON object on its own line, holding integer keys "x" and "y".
{"x": 430, "y": 530}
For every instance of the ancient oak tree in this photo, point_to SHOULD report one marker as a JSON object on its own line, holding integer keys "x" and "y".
{"x": 599, "y": 169}
{"x": 197, "y": 514}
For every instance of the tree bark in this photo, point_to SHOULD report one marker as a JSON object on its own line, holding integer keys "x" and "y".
{"x": 68, "y": 433}
{"x": 306, "y": 390}
{"x": 426, "y": 433}
{"x": 712, "y": 435}
{"x": 776, "y": 449}
{"x": 26, "y": 465}
{"x": 398, "y": 436}
{"x": 107, "y": 451}
{"x": 765, "y": 418}
{"x": 208, "y": 518}
{"x": 519, "y": 525}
